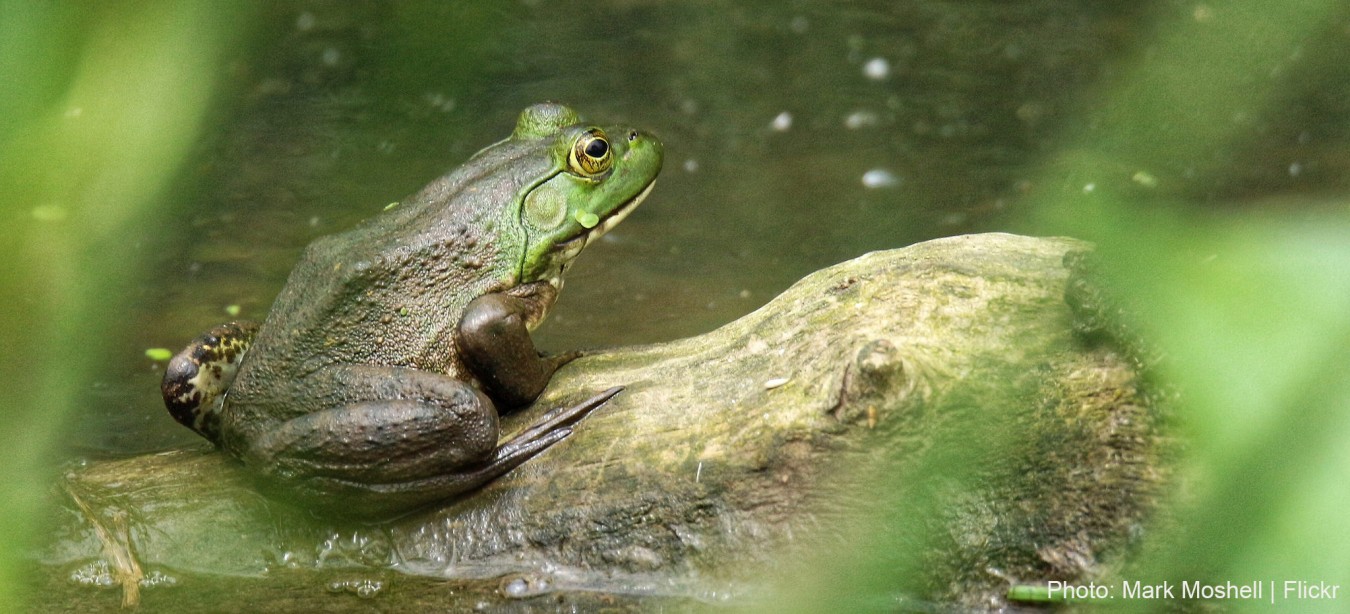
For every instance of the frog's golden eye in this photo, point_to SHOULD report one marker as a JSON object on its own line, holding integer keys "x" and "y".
{"x": 591, "y": 154}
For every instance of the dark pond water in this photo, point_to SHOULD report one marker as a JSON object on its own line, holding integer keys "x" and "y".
{"x": 798, "y": 134}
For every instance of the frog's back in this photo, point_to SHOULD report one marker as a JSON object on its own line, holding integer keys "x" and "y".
{"x": 390, "y": 290}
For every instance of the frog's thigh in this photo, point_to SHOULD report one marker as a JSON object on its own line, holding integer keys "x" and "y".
{"x": 346, "y": 384}
{"x": 389, "y": 440}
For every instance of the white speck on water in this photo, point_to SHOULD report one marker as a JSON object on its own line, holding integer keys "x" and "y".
{"x": 799, "y": 24}
{"x": 690, "y": 165}
{"x": 440, "y": 102}
{"x": 782, "y": 122}
{"x": 744, "y": 293}
{"x": 860, "y": 119}
{"x": 331, "y": 56}
{"x": 879, "y": 178}
{"x": 305, "y": 21}
{"x": 877, "y": 69}
{"x": 1295, "y": 169}
{"x": 776, "y": 382}
{"x": 517, "y": 588}
{"x": 314, "y": 222}
{"x": 74, "y": 112}
{"x": 1089, "y": 188}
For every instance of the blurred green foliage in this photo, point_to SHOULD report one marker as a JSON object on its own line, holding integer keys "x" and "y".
{"x": 99, "y": 104}
{"x": 1248, "y": 310}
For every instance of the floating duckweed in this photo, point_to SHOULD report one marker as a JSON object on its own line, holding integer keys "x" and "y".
{"x": 232, "y": 310}
{"x": 1031, "y": 593}
{"x": 586, "y": 219}
{"x": 158, "y": 354}
{"x": 1144, "y": 178}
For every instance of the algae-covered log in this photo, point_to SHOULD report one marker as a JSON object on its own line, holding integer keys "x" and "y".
{"x": 726, "y": 454}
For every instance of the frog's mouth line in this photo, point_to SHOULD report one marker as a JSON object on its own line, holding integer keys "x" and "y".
{"x": 616, "y": 217}
{"x": 567, "y": 251}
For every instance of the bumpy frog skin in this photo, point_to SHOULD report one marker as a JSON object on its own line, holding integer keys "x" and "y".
{"x": 374, "y": 385}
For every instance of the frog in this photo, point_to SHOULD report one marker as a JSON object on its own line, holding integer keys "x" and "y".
{"x": 377, "y": 381}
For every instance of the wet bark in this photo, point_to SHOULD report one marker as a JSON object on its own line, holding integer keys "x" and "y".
{"x": 948, "y": 387}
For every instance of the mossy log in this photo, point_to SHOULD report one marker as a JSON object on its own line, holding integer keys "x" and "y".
{"x": 727, "y": 454}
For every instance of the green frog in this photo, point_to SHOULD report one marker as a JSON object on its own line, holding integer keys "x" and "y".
{"x": 375, "y": 383}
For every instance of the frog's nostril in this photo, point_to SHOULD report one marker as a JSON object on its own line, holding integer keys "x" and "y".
{"x": 632, "y": 135}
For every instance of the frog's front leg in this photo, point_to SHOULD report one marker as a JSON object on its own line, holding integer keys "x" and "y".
{"x": 493, "y": 339}
{"x": 400, "y": 438}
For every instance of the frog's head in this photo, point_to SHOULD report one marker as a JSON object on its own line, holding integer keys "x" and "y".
{"x": 598, "y": 176}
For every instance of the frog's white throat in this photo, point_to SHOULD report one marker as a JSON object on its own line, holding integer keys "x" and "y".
{"x": 569, "y": 251}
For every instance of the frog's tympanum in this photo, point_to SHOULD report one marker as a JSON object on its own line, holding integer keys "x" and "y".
{"x": 374, "y": 385}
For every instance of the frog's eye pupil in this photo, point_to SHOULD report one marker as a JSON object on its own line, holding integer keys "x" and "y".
{"x": 591, "y": 154}
{"x": 597, "y": 148}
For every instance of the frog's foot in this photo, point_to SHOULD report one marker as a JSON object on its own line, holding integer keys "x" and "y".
{"x": 560, "y": 359}
{"x": 555, "y": 425}
{"x": 196, "y": 378}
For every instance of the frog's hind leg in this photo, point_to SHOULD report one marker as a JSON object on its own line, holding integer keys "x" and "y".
{"x": 402, "y": 438}
{"x": 385, "y": 498}
{"x": 552, "y": 428}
